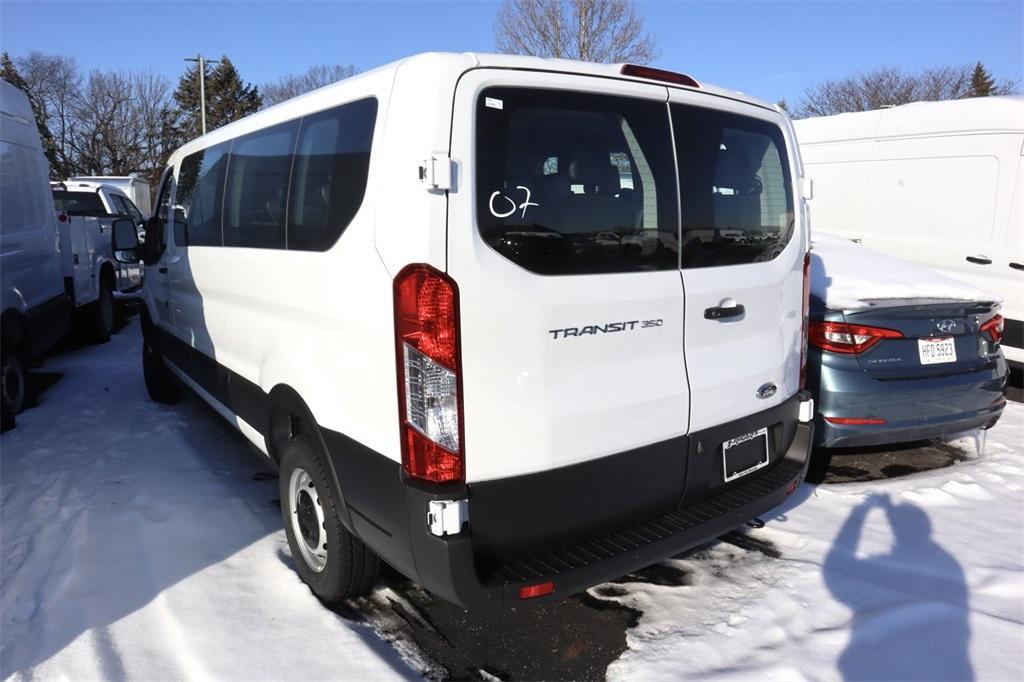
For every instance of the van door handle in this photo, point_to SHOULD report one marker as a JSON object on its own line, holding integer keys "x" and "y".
{"x": 162, "y": 271}
{"x": 1017, "y": 266}
{"x": 720, "y": 313}
{"x": 979, "y": 260}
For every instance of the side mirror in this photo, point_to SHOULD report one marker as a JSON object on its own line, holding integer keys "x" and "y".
{"x": 124, "y": 241}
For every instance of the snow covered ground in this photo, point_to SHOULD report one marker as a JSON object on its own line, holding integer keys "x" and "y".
{"x": 144, "y": 541}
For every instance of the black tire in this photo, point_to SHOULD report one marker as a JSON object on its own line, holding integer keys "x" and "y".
{"x": 350, "y": 568}
{"x": 160, "y": 385}
{"x": 13, "y": 380}
{"x": 102, "y": 313}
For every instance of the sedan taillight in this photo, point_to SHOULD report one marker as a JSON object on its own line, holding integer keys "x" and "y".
{"x": 994, "y": 328}
{"x": 851, "y": 339}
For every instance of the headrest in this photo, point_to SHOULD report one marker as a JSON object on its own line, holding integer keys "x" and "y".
{"x": 593, "y": 169}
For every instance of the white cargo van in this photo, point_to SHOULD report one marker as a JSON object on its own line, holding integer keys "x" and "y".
{"x": 36, "y": 310}
{"x": 940, "y": 183}
{"x": 402, "y": 289}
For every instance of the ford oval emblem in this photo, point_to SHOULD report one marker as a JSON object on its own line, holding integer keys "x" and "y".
{"x": 767, "y": 390}
{"x": 945, "y": 326}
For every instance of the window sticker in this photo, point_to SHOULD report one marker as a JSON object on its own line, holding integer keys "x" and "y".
{"x": 494, "y": 103}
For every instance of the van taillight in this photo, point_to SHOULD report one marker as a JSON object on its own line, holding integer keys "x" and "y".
{"x": 429, "y": 374}
{"x": 851, "y": 339}
{"x": 806, "y": 319}
{"x": 994, "y": 328}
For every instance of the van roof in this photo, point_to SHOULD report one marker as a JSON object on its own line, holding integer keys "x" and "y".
{"x": 974, "y": 115}
{"x": 14, "y": 104}
{"x": 453, "y": 63}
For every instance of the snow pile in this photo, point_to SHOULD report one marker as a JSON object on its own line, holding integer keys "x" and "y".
{"x": 846, "y": 275}
{"x": 913, "y": 578}
{"x": 145, "y": 542}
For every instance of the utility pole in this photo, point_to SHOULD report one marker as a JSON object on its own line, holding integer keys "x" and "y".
{"x": 199, "y": 59}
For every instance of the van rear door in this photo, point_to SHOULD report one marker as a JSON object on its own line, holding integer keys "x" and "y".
{"x": 563, "y": 241}
{"x": 742, "y": 255}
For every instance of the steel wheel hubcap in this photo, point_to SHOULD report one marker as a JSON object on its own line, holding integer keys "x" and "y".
{"x": 307, "y": 518}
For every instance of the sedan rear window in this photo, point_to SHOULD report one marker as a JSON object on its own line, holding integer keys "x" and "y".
{"x": 571, "y": 183}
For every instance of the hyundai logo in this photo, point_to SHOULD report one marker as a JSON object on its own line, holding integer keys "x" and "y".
{"x": 767, "y": 390}
{"x": 945, "y": 326}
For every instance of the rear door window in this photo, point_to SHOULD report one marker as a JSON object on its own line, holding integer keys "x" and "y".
{"x": 736, "y": 194}
{"x": 332, "y": 161}
{"x": 571, "y": 183}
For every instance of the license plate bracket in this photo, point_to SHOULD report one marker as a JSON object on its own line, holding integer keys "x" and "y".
{"x": 745, "y": 454}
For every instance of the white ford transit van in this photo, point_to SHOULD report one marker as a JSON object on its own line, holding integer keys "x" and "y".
{"x": 514, "y": 326}
{"x": 939, "y": 183}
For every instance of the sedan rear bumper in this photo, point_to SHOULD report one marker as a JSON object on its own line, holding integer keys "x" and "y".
{"x": 913, "y": 409}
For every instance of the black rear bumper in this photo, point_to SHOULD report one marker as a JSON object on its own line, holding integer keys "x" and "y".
{"x": 577, "y": 526}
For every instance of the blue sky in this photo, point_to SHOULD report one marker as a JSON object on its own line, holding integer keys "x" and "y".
{"x": 769, "y": 49}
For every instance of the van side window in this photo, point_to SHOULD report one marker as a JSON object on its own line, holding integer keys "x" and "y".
{"x": 257, "y": 188}
{"x": 737, "y": 200}
{"x": 199, "y": 197}
{"x": 572, "y": 183}
{"x": 329, "y": 176}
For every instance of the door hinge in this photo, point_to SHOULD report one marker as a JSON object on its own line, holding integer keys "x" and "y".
{"x": 446, "y": 517}
{"x": 438, "y": 172}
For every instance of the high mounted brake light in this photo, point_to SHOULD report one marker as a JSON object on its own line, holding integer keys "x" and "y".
{"x": 653, "y": 74}
{"x": 850, "y": 339}
{"x": 429, "y": 374}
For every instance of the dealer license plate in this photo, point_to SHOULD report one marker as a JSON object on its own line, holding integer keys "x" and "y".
{"x": 745, "y": 454}
{"x": 936, "y": 351}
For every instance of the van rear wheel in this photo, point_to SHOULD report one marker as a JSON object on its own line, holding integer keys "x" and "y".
{"x": 334, "y": 563}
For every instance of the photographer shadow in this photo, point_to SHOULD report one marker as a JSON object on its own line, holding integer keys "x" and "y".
{"x": 910, "y": 605}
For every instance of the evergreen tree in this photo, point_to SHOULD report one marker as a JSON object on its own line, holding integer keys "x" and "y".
{"x": 186, "y": 124}
{"x": 982, "y": 84}
{"x": 227, "y": 99}
{"x": 9, "y": 73}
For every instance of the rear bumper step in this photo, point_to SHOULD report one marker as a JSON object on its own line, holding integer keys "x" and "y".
{"x": 450, "y": 566}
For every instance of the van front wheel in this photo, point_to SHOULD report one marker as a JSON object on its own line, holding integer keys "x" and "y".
{"x": 334, "y": 563}
{"x": 159, "y": 383}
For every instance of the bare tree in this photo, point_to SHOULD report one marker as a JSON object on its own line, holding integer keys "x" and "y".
{"x": 604, "y": 31}
{"x": 294, "y": 85}
{"x": 123, "y": 124}
{"x": 889, "y": 86}
{"x": 56, "y": 82}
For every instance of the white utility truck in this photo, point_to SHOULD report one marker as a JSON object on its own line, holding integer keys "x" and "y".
{"x": 133, "y": 186}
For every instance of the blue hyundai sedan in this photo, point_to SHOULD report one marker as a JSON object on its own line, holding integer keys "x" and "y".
{"x": 898, "y": 353}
